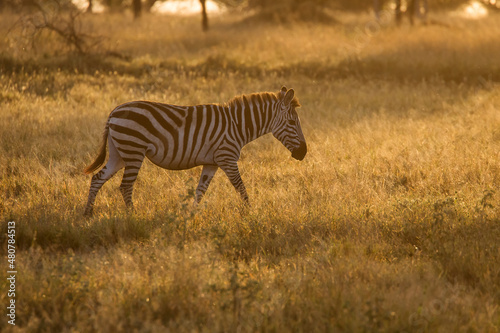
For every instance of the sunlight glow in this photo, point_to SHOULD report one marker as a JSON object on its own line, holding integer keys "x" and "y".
{"x": 82, "y": 5}
{"x": 178, "y": 7}
{"x": 189, "y": 7}
{"x": 475, "y": 10}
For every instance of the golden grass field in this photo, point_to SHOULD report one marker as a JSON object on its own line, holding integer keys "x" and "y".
{"x": 390, "y": 224}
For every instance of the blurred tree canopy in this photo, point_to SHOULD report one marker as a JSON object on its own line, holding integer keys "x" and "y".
{"x": 281, "y": 11}
{"x": 19, "y": 5}
{"x": 307, "y": 7}
{"x": 273, "y": 11}
{"x": 63, "y": 18}
{"x": 351, "y": 5}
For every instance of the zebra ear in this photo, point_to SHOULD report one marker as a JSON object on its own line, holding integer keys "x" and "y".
{"x": 288, "y": 97}
{"x": 282, "y": 92}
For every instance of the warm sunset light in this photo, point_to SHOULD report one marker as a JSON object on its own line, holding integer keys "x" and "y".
{"x": 475, "y": 10}
{"x": 184, "y": 7}
{"x": 249, "y": 166}
{"x": 178, "y": 7}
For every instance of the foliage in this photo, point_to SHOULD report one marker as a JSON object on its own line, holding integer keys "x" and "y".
{"x": 350, "y": 5}
{"x": 290, "y": 11}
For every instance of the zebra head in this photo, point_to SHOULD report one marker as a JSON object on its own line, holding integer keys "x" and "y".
{"x": 286, "y": 126}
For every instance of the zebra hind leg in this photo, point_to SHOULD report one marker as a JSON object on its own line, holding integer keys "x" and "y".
{"x": 128, "y": 180}
{"x": 115, "y": 163}
{"x": 207, "y": 174}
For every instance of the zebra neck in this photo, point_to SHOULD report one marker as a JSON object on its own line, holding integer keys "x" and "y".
{"x": 251, "y": 121}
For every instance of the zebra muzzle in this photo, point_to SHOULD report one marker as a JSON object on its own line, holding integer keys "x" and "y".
{"x": 300, "y": 152}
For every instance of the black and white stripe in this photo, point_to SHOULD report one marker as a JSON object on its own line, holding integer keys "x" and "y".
{"x": 181, "y": 137}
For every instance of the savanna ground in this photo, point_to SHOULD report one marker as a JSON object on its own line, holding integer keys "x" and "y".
{"x": 390, "y": 224}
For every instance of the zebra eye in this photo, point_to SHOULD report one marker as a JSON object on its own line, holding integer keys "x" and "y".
{"x": 291, "y": 122}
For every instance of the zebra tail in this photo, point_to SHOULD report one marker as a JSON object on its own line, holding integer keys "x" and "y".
{"x": 102, "y": 154}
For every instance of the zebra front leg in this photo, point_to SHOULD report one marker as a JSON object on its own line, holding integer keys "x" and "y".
{"x": 207, "y": 174}
{"x": 233, "y": 173}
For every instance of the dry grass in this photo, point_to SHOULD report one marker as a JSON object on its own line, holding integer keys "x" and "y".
{"x": 390, "y": 224}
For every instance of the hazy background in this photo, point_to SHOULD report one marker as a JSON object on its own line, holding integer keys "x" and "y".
{"x": 390, "y": 224}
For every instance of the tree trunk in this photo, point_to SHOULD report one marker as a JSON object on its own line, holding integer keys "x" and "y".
{"x": 412, "y": 6}
{"x": 423, "y": 15}
{"x": 149, "y": 5}
{"x": 399, "y": 14}
{"x": 415, "y": 8}
{"x": 89, "y": 7}
{"x": 204, "y": 17}
{"x": 137, "y": 8}
{"x": 376, "y": 8}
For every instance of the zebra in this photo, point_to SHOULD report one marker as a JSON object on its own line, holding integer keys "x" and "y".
{"x": 182, "y": 137}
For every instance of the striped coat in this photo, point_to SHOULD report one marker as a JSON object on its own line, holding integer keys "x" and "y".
{"x": 181, "y": 137}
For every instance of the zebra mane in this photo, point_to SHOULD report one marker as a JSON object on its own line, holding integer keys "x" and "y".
{"x": 255, "y": 97}
{"x": 252, "y": 97}
{"x": 296, "y": 103}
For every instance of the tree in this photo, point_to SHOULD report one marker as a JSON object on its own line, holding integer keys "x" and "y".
{"x": 418, "y": 8}
{"x": 413, "y": 8}
{"x": 149, "y": 4}
{"x": 60, "y": 18}
{"x": 290, "y": 11}
{"x": 137, "y": 8}
{"x": 204, "y": 17}
{"x": 114, "y": 5}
